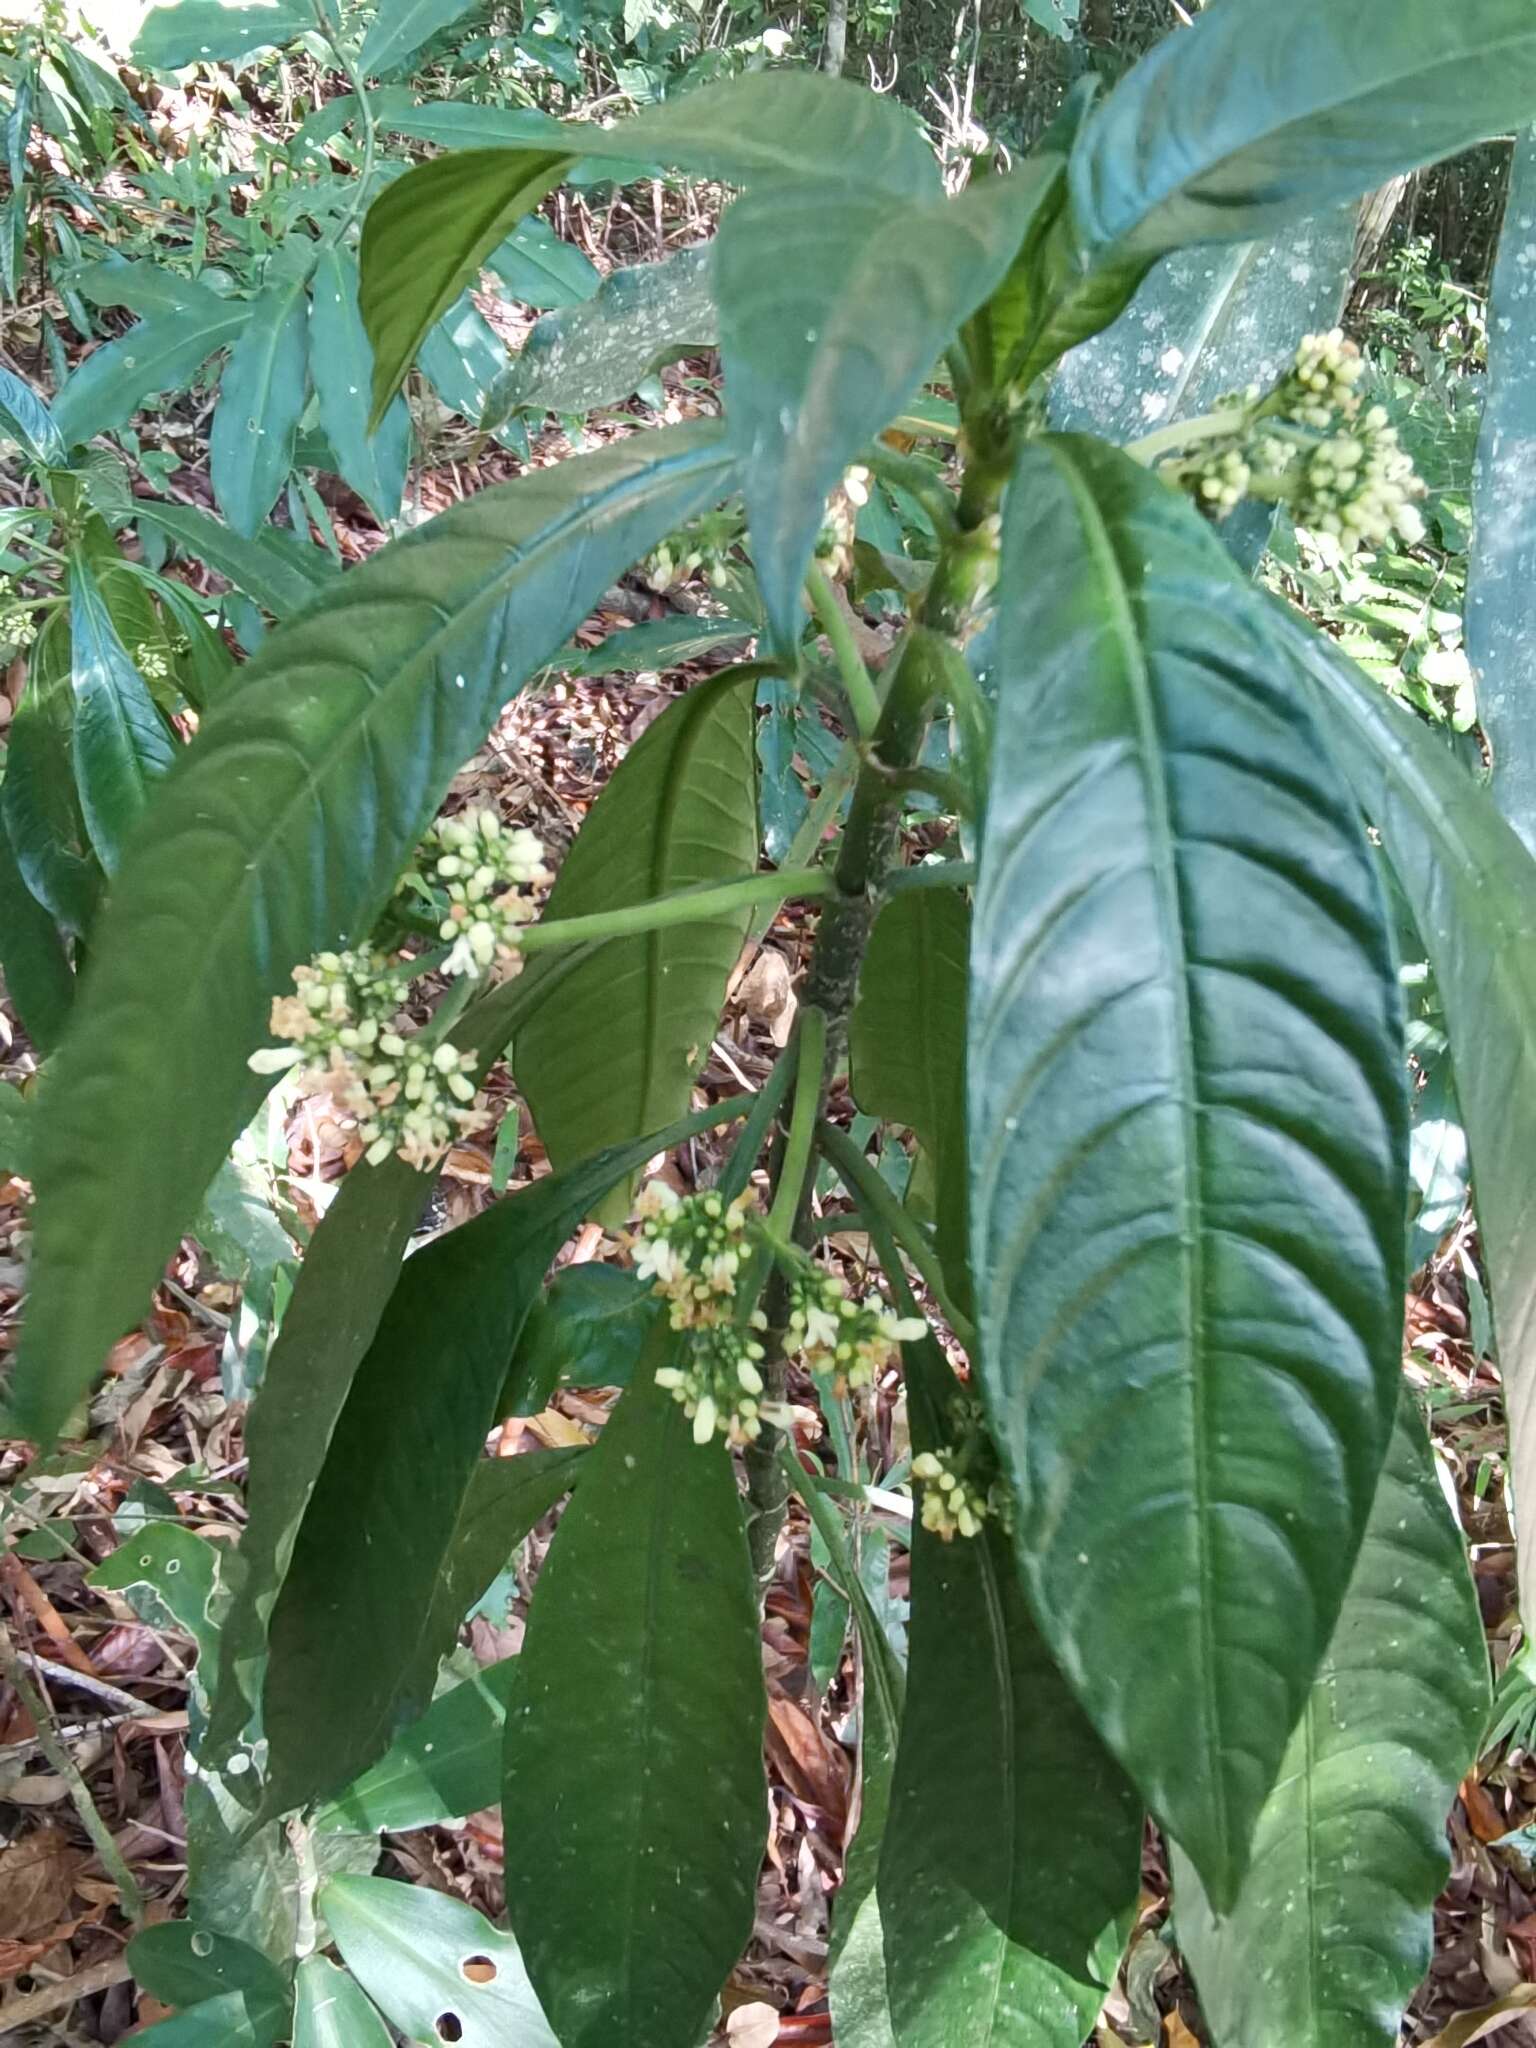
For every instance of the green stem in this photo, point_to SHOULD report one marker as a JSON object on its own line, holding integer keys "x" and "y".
{"x": 876, "y": 1199}
{"x": 1209, "y": 426}
{"x": 863, "y": 698}
{"x": 346, "y": 64}
{"x": 933, "y": 874}
{"x": 810, "y": 1057}
{"x": 687, "y": 906}
{"x": 813, "y": 825}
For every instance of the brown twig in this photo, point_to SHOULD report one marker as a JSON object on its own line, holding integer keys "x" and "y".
{"x": 36, "y": 2005}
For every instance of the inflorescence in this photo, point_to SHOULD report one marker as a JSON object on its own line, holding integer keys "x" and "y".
{"x": 961, "y": 1484}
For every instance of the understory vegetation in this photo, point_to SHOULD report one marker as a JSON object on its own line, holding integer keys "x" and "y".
{"x": 768, "y": 935}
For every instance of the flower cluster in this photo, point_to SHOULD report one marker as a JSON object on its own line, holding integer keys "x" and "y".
{"x": 720, "y": 1384}
{"x": 834, "y": 541}
{"x": 831, "y": 1332}
{"x": 340, "y": 1030}
{"x": 18, "y": 628}
{"x": 952, "y": 1504}
{"x": 1312, "y": 444}
{"x": 484, "y": 867}
{"x": 152, "y": 663}
{"x": 692, "y": 1247}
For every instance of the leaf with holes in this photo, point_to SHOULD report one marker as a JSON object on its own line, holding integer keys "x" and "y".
{"x": 1188, "y": 1134}
{"x": 292, "y": 813}
{"x": 1333, "y": 1927}
{"x": 434, "y": 1966}
{"x": 632, "y": 1857}
{"x": 680, "y": 811}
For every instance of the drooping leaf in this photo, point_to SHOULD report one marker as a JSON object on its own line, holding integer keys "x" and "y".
{"x": 427, "y": 235}
{"x": 632, "y": 1859}
{"x": 341, "y": 369}
{"x": 445, "y": 1765}
{"x": 181, "y": 1964}
{"x": 290, "y": 816}
{"x": 381, "y": 1566}
{"x": 1333, "y": 1927}
{"x": 501, "y": 1503}
{"x": 1188, "y": 1137}
{"x": 1499, "y": 641}
{"x": 121, "y": 744}
{"x": 598, "y": 353}
{"x": 398, "y": 30}
{"x": 280, "y": 571}
{"x": 38, "y": 976}
{"x": 329, "y": 2011}
{"x": 678, "y": 812}
{"x": 1471, "y": 886}
{"x": 39, "y": 803}
{"x": 261, "y": 395}
{"x": 541, "y": 270}
{"x": 163, "y": 353}
{"x": 1007, "y": 1855}
{"x": 211, "y": 32}
{"x": 655, "y": 644}
{"x": 1059, "y": 16}
{"x": 409, "y": 1948}
{"x": 814, "y": 364}
{"x": 25, "y": 419}
{"x": 906, "y": 1046}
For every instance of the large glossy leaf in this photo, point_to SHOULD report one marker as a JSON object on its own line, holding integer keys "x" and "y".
{"x": 1188, "y": 1141}
{"x": 1500, "y": 575}
{"x": 261, "y": 395}
{"x": 121, "y": 744}
{"x": 277, "y": 569}
{"x": 679, "y": 811}
{"x": 209, "y": 32}
{"x": 1335, "y": 100}
{"x": 1333, "y": 1928}
{"x": 427, "y": 235}
{"x": 408, "y": 1947}
{"x": 906, "y": 1046}
{"x": 814, "y": 362}
{"x": 38, "y": 977}
{"x": 281, "y": 831}
{"x": 1008, "y": 1855}
{"x": 598, "y": 353}
{"x": 341, "y": 369}
{"x": 39, "y": 803}
{"x": 445, "y": 1765}
{"x": 329, "y": 2011}
{"x": 162, "y": 353}
{"x": 1471, "y": 886}
{"x": 26, "y": 420}
{"x": 382, "y": 1565}
{"x": 632, "y": 1857}
{"x": 398, "y": 30}
{"x": 232, "y": 2020}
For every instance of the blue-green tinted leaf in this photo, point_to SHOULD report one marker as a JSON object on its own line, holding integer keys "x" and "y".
{"x": 180, "y": 1965}
{"x": 462, "y": 358}
{"x": 162, "y": 353}
{"x": 25, "y": 418}
{"x": 341, "y": 369}
{"x": 331, "y": 2012}
{"x": 398, "y": 30}
{"x": 541, "y": 270}
{"x": 659, "y": 644}
{"x": 209, "y": 32}
{"x": 39, "y": 803}
{"x": 38, "y": 976}
{"x": 261, "y": 396}
{"x": 121, "y": 744}
{"x": 445, "y": 1765}
{"x": 280, "y": 571}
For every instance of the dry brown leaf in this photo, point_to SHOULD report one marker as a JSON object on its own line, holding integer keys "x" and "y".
{"x": 1176, "y": 2034}
{"x": 1487, "y": 1822}
{"x": 1468, "y": 2027}
{"x": 767, "y": 996}
{"x": 753, "y": 2026}
{"x": 37, "y": 1882}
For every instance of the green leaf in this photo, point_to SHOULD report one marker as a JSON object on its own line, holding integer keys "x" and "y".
{"x": 598, "y": 353}
{"x": 445, "y": 1765}
{"x": 41, "y": 811}
{"x": 25, "y": 419}
{"x": 233, "y": 2020}
{"x": 121, "y": 744}
{"x": 814, "y": 363}
{"x": 1059, "y": 16}
{"x": 659, "y": 644}
{"x": 181, "y": 1964}
{"x": 632, "y": 1857}
{"x": 587, "y": 1329}
{"x": 1007, "y": 1854}
{"x": 280, "y": 571}
{"x": 331, "y": 2012}
{"x": 906, "y": 1046}
{"x": 162, "y": 353}
{"x": 505, "y": 1497}
{"x": 393, "y": 1534}
{"x": 209, "y": 32}
{"x": 428, "y": 233}
{"x": 541, "y": 270}
{"x": 1471, "y": 886}
{"x": 333, "y": 788}
{"x": 341, "y": 369}
{"x": 1337, "y": 101}
{"x": 462, "y": 358}
{"x": 1333, "y": 1928}
{"x": 16, "y": 1111}
{"x": 261, "y": 395}
{"x": 1503, "y": 556}
{"x": 398, "y": 30}
{"x": 678, "y": 812}
{"x": 409, "y": 1948}
{"x": 1188, "y": 1138}
{"x": 38, "y": 977}
{"x": 144, "y": 288}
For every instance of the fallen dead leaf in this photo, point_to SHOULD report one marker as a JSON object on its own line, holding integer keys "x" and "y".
{"x": 37, "y": 1882}
{"x": 767, "y": 996}
{"x": 752, "y": 2026}
{"x": 1176, "y": 2034}
{"x": 1468, "y": 2027}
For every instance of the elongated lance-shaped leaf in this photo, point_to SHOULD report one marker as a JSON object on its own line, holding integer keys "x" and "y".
{"x": 1501, "y": 574}
{"x": 121, "y": 744}
{"x": 331, "y": 2011}
{"x": 427, "y": 234}
{"x": 680, "y": 811}
{"x": 541, "y": 270}
{"x": 1188, "y": 1137}
{"x": 1471, "y": 885}
{"x": 281, "y": 831}
{"x": 597, "y": 353}
{"x": 1333, "y": 1927}
{"x": 398, "y": 30}
{"x": 26, "y": 420}
{"x": 632, "y": 1860}
{"x": 341, "y": 368}
{"x": 208, "y": 32}
{"x": 144, "y": 288}
{"x": 814, "y": 364}
{"x": 1009, "y": 1854}
{"x": 162, "y": 353}
{"x": 261, "y": 395}
{"x": 444, "y": 1765}
{"x": 39, "y": 802}
{"x": 38, "y": 976}
{"x": 280, "y": 571}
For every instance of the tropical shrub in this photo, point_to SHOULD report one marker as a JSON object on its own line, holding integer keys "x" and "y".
{"x": 1178, "y": 1546}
